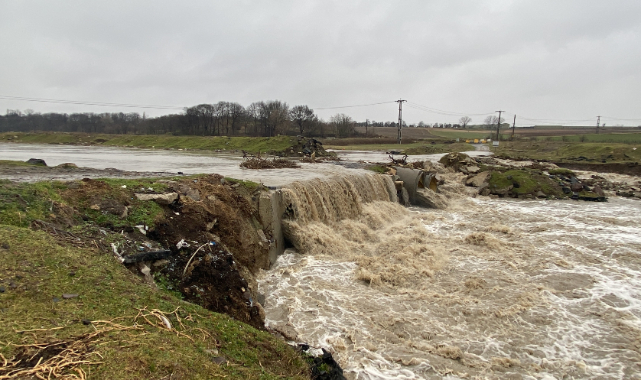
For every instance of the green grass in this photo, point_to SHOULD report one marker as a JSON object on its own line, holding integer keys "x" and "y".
{"x": 559, "y": 151}
{"x": 21, "y": 203}
{"x": 439, "y": 148}
{"x": 13, "y": 163}
{"x": 378, "y": 168}
{"x": 466, "y": 134}
{"x": 529, "y": 182}
{"x": 410, "y": 149}
{"x": 619, "y": 138}
{"x": 250, "y": 144}
{"x": 35, "y": 271}
{"x": 249, "y": 185}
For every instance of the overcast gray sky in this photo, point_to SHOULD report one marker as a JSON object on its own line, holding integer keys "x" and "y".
{"x": 544, "y": 59}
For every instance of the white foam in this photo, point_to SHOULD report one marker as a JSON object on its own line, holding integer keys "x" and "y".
{"x": 555, "y": 291}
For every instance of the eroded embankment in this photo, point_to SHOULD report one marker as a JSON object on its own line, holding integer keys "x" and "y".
{"x": 201, "y": 237}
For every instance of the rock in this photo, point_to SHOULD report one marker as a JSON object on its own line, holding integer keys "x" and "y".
{"x": 37, "y": 161}
{"x": 262, "y": 236}
{"x": 67, "y": 165}
{"x": 193, "y": 194}
{"x": 576, "y": 186}
{"x": 69, "y": 296}
{"x": 502, "y": 191}
{"x": 598, "y": 191}
{"x": 86, "y": 322}
{"x": 566, "y": 190}
{"x": 161, "y": 199}
{"x": 456, "y": 161}
{"x": 540, "y": 194}
{"x": 478, "y": 180}
{"x": 429, "y": 199}
{"x": 473, "y": 169}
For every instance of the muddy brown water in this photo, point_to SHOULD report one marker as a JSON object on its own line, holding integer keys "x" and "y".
{"x": 484, "y": 289}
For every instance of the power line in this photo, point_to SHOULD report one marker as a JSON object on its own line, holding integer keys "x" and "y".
{"x": 87, "y": 103}
{"x": 358, "y": 105}
{"x": 614, "y": 118}
{"x": 442, "y": 112}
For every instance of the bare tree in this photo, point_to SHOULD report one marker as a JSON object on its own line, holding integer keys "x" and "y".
{"x": 491, "y": 121}
{"x": 302, "y": 117}
{"x": 275, "y": 117}
{"x": 464, "y": 121}
{"x": 343, "y": 125}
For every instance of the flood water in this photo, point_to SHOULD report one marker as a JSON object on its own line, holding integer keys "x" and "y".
{"x": 188, "y": 162}
{"x": 159, "y": 160}
{"x": 486, "y": 289}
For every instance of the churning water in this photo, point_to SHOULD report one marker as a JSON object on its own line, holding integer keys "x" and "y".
{"x": 483, "y": 289}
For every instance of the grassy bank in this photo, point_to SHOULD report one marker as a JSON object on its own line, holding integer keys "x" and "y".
{"x": 249, "y": 144}
{"x": 67, "y": 304}
{"x": 569, "y": 152}
{"x": 410, "y": 149}
{"x": 51, "y": 293}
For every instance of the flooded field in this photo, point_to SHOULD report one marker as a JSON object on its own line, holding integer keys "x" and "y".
{"x": 486, "y": 289}
{"x": 160, "y": 161}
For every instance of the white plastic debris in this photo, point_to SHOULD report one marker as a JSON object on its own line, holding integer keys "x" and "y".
{"x": 124, "y": 186}
{"x": 182, "y": 244}
{"x": 116, "y": 253}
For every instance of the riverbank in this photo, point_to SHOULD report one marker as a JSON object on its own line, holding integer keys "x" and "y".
{"x": 600, "y": 157}
{"x": 208, "y": 143}
{"x": 103, "y": 267}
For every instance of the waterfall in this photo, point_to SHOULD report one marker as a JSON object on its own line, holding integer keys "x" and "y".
{"x": 334, "y": 199}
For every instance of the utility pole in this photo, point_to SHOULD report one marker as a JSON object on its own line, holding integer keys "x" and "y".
{"x": 400, "y": 118}
{"x": 513, "y": 125}
{"x": 366, "y": 123}
{"x": 498, "y": 125}
{"x": 598, "y": 121}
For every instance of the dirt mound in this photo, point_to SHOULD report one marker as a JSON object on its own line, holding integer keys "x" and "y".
{"x": 211, "y": 226}
{"x": 210, "y": 277}
{"x": 218, "y": 217}
{"x": 261, "y": 163}
{"x": 306, "y": 147}
{"x": 456, "y": 161}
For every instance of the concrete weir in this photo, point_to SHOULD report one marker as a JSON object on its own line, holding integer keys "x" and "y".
{"x": 336, "y": 198}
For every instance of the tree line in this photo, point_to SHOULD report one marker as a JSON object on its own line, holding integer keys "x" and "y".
{"x": 264, "y": 118}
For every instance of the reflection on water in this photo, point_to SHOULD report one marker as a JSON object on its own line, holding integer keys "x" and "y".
{"x": 529, "y": 290}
